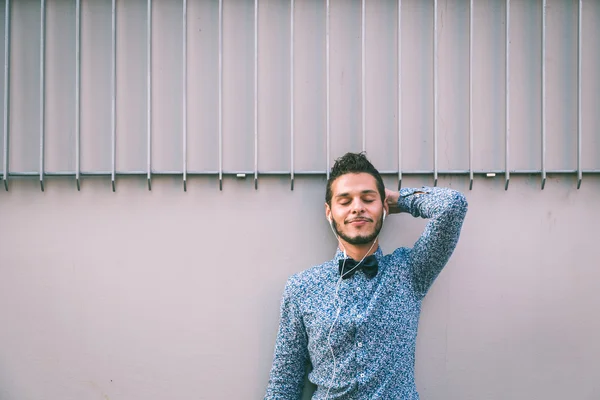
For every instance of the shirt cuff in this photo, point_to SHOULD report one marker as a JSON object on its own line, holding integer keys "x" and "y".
{"x": 406, "y": 197}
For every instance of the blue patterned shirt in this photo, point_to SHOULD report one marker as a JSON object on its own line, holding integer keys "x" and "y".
{"x": 374, "y": 336}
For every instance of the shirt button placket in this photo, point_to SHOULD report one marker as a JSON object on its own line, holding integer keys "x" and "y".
{"x": 359, "y": 342}
{"x": 359, "y": 345}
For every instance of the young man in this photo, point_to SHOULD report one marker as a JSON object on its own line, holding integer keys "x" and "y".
{"x": 354, "y": 318}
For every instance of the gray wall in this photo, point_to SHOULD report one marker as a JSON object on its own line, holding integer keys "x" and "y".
{"x": 160, "y": 294}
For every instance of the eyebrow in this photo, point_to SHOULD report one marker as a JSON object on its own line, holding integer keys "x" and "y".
{"x": 346, "y": 194}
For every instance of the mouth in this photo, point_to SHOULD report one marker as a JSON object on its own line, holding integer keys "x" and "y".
{"x": 359, "y": 221}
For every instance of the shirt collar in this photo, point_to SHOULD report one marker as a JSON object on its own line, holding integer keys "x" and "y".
{"x": 339, "y": 255}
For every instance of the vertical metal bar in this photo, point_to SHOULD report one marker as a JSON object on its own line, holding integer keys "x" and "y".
{"x": 579, "y": 63}
{"x": 113, "y": 116}
{"x": 543, "y": 94}
{"x": 220, "y": 94}
{"x": 292, "y": 93}
{"x": 507, "y": 83}
{"x": 255, "y": 94}
{"x": 328, "y": 116}
{"x": 77, "y": 92}
{"x": 184, "y": 90}
{"x": 6, "y": 87}
{"x": 42, "y": 87}
{"x": 435, "y": 92}
{"x": 149, "y": 93}
{"x": 399, "y": 94}
{"x": 471, "y": 12}
{"x": 363, "y": 77}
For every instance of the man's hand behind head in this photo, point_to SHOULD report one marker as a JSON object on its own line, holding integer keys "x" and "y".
{"x": 391, "y": 198}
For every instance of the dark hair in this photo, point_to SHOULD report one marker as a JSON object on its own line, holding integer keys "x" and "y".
{"x": 353, "y": 163}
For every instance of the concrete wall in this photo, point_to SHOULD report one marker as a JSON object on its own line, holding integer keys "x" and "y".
{"x": 161, "y": 294}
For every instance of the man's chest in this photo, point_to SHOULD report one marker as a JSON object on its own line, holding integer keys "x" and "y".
{"x": 372, "y": 307}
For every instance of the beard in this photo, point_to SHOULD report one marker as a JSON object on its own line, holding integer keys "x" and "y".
{"x": 359, "y": 239}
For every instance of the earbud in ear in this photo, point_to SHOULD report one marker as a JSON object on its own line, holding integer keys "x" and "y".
{"x": 384, "y": 214}
{"x": 329, "y": 219}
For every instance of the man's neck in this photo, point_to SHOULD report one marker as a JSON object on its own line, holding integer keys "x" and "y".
{"x": 358, "y": 252}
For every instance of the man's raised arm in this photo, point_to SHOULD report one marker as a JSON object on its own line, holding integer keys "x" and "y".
{"x": 446, "y": 210}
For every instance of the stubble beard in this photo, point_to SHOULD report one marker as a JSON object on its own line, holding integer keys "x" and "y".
{"x": 359, "y": 239}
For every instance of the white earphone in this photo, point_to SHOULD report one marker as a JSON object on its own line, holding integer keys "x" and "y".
{"x": 338, "y": 303}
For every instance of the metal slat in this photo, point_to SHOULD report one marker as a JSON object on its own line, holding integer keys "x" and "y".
{"x": 6, "y": 89}
{"x": 533, "y": 172}
{"x": 149, "y": 92}
{"x": 507, "y": 83}
{"x": 579, "y": 62}
{"x": 220, "y": 94}
{"x": 184, "y": 90}
{"x": 327, "y": 73}
{"x": 292, "y": 4}
{"x": 471, "y": 95}
{"x": 42, "y": 87}
{"x": 435, "y": 92}
{"x": 363, "y": 76}
{"x": 77, "y": 93}
{"x": 255, "y": 94}
{"x": 113, "y": 113}
{"x": 543, "y": 94}
{"x": 399, "y": 94}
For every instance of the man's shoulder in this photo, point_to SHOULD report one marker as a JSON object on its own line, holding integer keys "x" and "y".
{"x": 310, "y": 278}
{"x": 398, "y": 260}
{"x": 398, "y": 255}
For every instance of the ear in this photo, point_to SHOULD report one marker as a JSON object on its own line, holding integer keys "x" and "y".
{"x": 328, "y": 212}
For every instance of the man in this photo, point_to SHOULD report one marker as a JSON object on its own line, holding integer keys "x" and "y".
{"x": 355, "y": 318}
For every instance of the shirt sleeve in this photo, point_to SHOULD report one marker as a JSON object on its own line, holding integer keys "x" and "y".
{"x": 446, "y": 210}
{"x": 286, "y": 380}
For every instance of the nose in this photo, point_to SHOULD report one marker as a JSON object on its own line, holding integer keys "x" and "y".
{"x": 358, "y": 206}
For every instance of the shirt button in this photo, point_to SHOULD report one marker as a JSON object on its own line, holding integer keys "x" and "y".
{"x": 362, "y": 375}
{"x": 358, "y": 289}
{"x": 359, "y": 344}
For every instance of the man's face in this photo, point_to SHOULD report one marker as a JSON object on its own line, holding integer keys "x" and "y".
{"x": 356, "y": 208}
